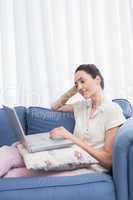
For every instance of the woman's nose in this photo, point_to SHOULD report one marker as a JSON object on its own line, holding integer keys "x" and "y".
{"x": 79, "y": 87}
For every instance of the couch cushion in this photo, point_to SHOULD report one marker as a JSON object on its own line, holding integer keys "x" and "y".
{"x": 7, "y": 136}
{"x": 9, "y": 158}
{"x": 43, "y": 120}
{"x": 88, "y": 186}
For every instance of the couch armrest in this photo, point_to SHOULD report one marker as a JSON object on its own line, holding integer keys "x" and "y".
{"x": 121, "y": 160}
{"x": 131, "y": 173}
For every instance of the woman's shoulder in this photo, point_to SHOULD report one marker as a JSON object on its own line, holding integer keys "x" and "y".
{"x": 113, "y": 111}
{"x": 79, "y": 107}
{"x": 113, "y": 115}
{"x": 81, "y": 104}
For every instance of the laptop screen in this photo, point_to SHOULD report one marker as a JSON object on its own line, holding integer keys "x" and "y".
{"x": 15, "y": 123}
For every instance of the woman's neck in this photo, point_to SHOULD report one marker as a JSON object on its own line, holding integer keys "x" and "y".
{"x": 97, "y": 100}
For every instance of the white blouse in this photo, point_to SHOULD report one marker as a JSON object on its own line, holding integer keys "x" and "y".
{"x": 108, "y": 115}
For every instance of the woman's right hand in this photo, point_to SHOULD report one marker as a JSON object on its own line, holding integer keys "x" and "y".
{"x": 61, "y": 102}
{"x": 72, "y": 91}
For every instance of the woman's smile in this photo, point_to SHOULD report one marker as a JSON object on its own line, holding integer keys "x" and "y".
{"x": 83, "y": 92}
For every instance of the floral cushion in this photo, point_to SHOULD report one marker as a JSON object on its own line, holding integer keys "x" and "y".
{"x": 57, "y": 160}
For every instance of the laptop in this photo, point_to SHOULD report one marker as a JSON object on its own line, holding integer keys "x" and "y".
{"x": 34, "y": 142}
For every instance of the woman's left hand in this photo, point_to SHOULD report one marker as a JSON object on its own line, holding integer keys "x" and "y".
{"x": 60, "y": 132}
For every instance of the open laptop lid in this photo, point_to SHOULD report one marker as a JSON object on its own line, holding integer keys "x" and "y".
{"x": 15, "y": 123}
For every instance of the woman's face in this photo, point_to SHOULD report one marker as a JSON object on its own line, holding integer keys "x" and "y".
{"x": 86, "y": 85}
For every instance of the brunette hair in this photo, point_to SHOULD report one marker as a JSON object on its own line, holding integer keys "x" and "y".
{"x": 92, "y": 70}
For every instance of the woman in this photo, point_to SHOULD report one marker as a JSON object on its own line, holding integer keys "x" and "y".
{"x": 97, "y": 119}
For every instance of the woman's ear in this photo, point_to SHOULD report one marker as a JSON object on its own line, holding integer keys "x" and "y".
{"x": 98, "y": 79}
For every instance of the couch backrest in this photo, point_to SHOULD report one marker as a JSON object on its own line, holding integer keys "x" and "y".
{"x": 126, "y": 107}
{"x": 37, "y": 119}
{"x": 7, "y": 136}
{"x": 43, "y": 120}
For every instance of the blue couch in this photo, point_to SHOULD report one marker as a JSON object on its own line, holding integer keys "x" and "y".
{"x": 95, "y": 186}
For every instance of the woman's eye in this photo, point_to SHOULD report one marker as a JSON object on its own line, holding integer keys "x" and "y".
{"x": 82, "y": 81}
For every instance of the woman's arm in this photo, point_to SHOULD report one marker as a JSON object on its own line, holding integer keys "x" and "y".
{"x": 60, "y": 104}
{"x": 103, "y": 155}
